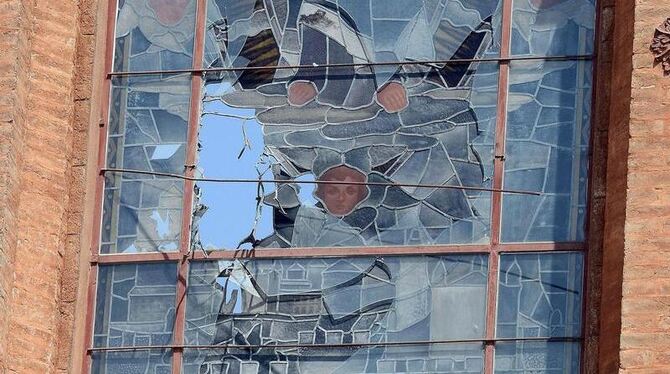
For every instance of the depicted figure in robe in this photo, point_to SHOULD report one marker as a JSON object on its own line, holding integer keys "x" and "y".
{"x": 394, "y": 124}
{"x": 375, "y": 119}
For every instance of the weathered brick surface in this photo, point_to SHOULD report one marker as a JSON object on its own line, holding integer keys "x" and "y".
{"x": 44, "y": 118}
{"x": 15, "y": 47}
{"x": 635, "y": 310}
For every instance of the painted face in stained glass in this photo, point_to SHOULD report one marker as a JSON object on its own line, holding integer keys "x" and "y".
{"x": 341, "y": 199}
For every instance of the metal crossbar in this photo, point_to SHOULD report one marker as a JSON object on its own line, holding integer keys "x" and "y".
{"x": 338, "y": 345}
{"x": 354, "y": 64}
{"x": 317, "y": 182}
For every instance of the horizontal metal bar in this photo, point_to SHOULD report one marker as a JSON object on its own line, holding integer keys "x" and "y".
{"x": 361, "y": 64}
{"x": 280, "y": 253}
{"x": 334, "y": 252}
{"x": 122, "y": 258}
{"x": 317, "y": 182}
{"x": 540, "y": 247}
{"x": 341, "y": 345}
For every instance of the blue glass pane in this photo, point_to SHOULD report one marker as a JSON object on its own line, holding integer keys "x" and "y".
{"x": 553, "y": 27}
{"x": 147, "y": 132}
{"x": 336, "y": 301}
{"x": 138, "y": 362}
{"x": 148, "y": 122}
{"x": 154, "y": 35}
{"x": 135, "y": 305}
{"x": 540, "y": 295}
{"x": 537, "y": 358}
{"x": 548, "y": 131}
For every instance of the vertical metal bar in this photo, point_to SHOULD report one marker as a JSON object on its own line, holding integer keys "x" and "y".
{"x": 576, "y": 139}
{"x": 191, "y": 158}
{"x": 501, "y": 122}
{"x": 498, "y": 174}
{"x": 576, "y": 183}
{"x": 99, "y": 183}
{"x": 491, "y": 307}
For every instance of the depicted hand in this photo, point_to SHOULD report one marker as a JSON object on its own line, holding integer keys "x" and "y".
{"x": 301, "y": 93}
{"x": 393, "y": 97}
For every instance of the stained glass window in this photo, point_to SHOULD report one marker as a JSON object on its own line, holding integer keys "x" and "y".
{"x": 135, "y": 307}
{"x": 343, "y": 186}
{"x": 147, "y": 132}
{"x": 154, "y": 34}
{"x": 302, "y": 309}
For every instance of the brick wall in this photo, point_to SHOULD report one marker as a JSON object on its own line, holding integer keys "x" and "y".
{"x": 45, "y": 79}
{"x": 635, "y": 311}
{"x": 15, "y": 47}
{"x": 645, "y": 305}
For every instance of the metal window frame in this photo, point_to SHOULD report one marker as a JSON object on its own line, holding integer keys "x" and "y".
{"x": 184, "y": 256}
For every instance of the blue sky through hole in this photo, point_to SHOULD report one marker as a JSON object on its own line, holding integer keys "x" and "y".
{"x": 222, "y": 138}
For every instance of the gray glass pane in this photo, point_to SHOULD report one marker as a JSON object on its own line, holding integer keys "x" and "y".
{"x": 334, "y": 301}
{"x": 135, "y": 305}
{"x": 548, "y": 130}
{"x": 154, "y": 35}
{"x": 141, "y": 215}
{"x": 553, "y": 27}
{"x": 428, "y": 358}
{"x": 148, "y": 122}
{"x": 138, "y": 362}
{"x": 443, "y": 137}
{"x": 147, "y": 132}
{"x": 540, "y": 295}
{"x": 268, "y": 33}
{"x": 537, "y": 358}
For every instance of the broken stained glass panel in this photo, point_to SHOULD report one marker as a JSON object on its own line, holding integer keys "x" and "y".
{"x": 452, "y": 358}
{"x": 281, "y": 313}
{"x": 154, "y": 35}
{"x": 147, "y": 132}
{"x": 135, "y": 306}
{"x": 426, "y": 124}
{"x": 154, "y": 361}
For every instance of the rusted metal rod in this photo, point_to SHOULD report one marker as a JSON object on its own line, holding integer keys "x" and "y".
{"x": 317, "y": 182}
{"x": 349, "y": 65}
{"x": 340, "y": 345}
